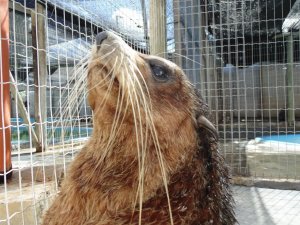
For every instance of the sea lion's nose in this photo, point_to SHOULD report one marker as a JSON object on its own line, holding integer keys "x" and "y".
{"x": 101, "y": 37}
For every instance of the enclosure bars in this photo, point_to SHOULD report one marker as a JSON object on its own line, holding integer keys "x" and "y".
{"x": 40, "y": 74}
{"x": 5, "y": 148}
{"x": 289, "y": 80}
{"x": 145, "y": 24}
{"x": 158, "y": 37}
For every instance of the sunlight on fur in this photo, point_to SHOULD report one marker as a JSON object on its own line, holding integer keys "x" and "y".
{"x": 144, "y": 163}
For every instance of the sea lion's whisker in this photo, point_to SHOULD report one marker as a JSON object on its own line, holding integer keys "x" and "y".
{"x": 111, "y": 137}
{"x": 119, "y": 104}
{"x": 62, "y": 114}
{"x": 163, "y": 170}
{"x": 109, "y": 87}
{"x": 157, "y": 147}
{"x": 80, "y": 69}
{"x": 77, "y": 95}
{"x": 117, "y": 115}
{"x": 160, "y": 158}
{"x": 104, "y": 80}
{"x": 101, "y": 83}
{"x": 108, "y": 146}
{"x": 135, "y": 104}
{"x": 180, "y": 55}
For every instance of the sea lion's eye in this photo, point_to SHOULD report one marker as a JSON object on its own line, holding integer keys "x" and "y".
{"x": 159, "y": 73}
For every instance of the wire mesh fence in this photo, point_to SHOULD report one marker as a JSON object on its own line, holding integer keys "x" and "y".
{"x": 243, "y": 55}
{"x": 47, "y": 41}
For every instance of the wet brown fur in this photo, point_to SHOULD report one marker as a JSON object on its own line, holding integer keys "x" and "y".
{"x": 104, "y": 191}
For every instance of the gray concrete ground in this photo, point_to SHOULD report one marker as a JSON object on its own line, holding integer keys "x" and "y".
{"x": 28, "y": 198}
{"x": 263, "y": 206}
{"x": 254, "y": 206}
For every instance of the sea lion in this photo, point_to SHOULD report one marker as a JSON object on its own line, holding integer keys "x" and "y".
{"x": 153, "y": 157}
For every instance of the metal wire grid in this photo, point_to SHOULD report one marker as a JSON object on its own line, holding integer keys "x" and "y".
{"x": 243, "y": 80}
{"x": 244, "y": 57}
{"x": 70, "y": 27}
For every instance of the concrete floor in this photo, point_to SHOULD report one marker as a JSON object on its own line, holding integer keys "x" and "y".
{"x": 254, "y": 206}
{"x": 262, "y": 206}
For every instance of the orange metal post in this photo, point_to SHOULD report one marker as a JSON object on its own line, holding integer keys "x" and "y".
{"x": 5, "y": 145}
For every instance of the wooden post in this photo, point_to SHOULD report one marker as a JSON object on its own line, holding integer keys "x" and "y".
{"x": 145, "y": 24}
{"x": 179, "y": 50}
{"x": 158, "y": 37}
{"x": 22, "y": 109}
{"x": 207, "y": 58}
{"x": 5, "y": 147}
{"x": 289, "y": 81}
{"x": 40, "y": 74}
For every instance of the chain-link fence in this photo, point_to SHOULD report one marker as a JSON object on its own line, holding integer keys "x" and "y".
{"x": 243, "y": 55}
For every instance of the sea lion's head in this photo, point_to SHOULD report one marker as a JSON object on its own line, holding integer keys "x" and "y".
{"x": 144, "y": 107}
{"x": 146, "y": 81}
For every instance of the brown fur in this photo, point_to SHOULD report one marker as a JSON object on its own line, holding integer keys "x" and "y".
{"x": 102, "y": 187}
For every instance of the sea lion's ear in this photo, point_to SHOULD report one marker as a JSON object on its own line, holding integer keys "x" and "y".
{"x": 204, "y": 123}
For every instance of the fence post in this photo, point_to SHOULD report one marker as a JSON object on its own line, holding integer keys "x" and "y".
{"x": 177, "y": 34}
{"x": 289, "y": 81}
{"x": 158, "y": 38}
{"x": 40, "y": 74}
{"x": 22, "y": 109}
{"x": 5, "y": 146}
{"x": 145, "y": 24}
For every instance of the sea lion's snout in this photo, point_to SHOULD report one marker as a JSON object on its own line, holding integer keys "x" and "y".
{"x": 100, "y": 38}
{"x": 110, "y": 50}
{"x": 107, "y": 40}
